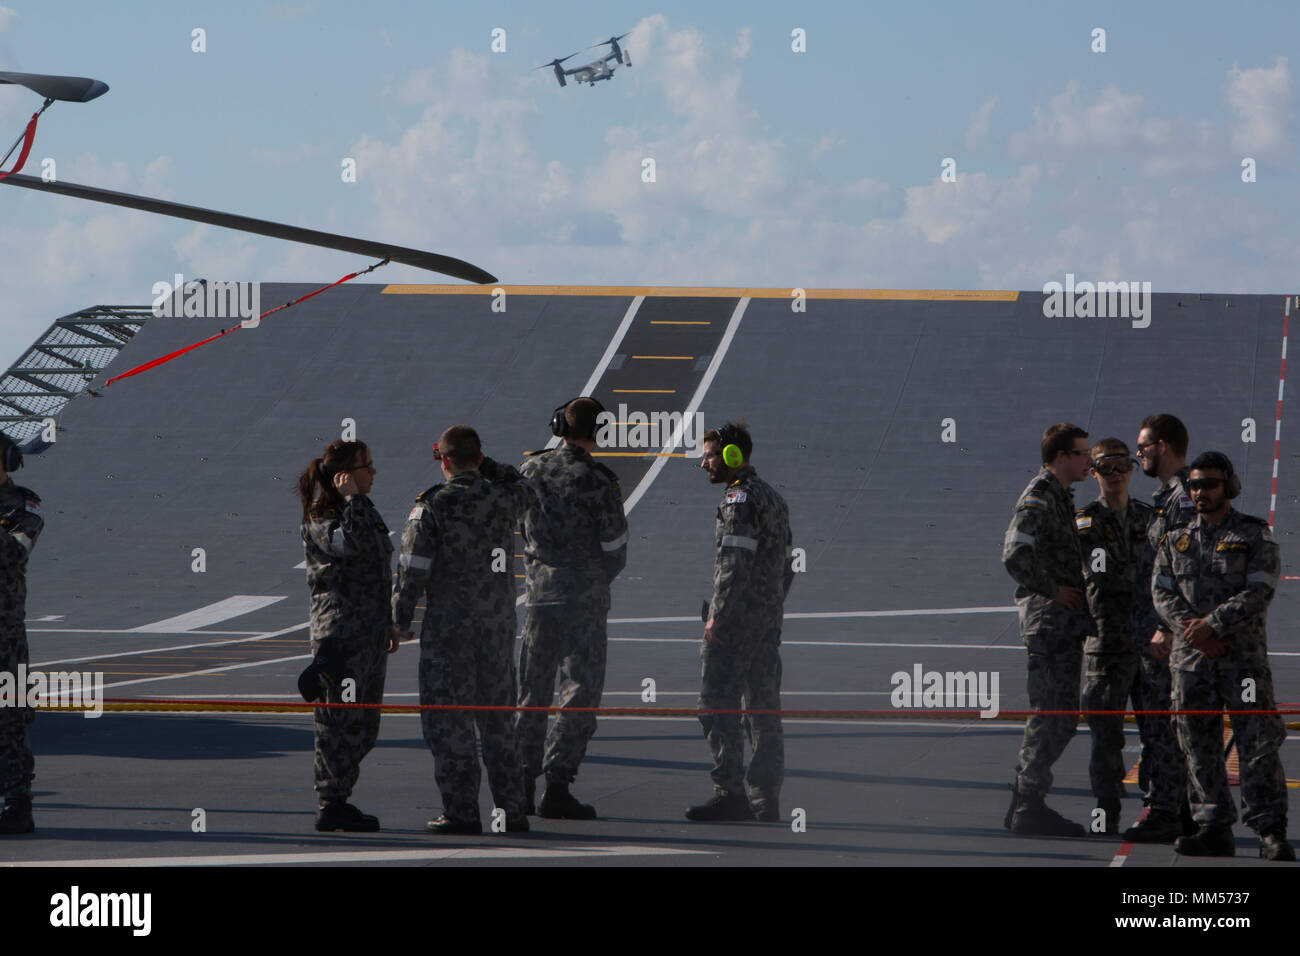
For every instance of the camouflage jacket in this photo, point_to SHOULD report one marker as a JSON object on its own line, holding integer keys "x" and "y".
{"x": 575, "y": 534}
{"x": 20, "y": 526}
{"x": 1041, "y": 553}
{"x": 1225, "y": 573}
{"x": 753, "y": 571}
{"x": 1117, "y": 561}
{"x": 457, "y": 551}
{"x": 1173, "y": 509}
{"x": 349, "y": 572}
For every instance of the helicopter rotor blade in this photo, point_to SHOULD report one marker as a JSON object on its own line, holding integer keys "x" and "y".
{"x": 74, "y": 89}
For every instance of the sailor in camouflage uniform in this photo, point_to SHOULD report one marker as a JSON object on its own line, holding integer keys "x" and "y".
{"x": 740, "y": 658}
{"x": 1041, "y": 553}
{"x": 20, "y": 526}
{"x": 575, "y": 544}
{"x": 457, "y": 554}
{"x": 349, "y": 574}
{"x": 1162, "y": 450}
{"x": 1117, "y": 561}
{"x": 1213, "y": 583}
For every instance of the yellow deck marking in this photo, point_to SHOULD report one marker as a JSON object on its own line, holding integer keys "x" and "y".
{"x": 675, "y": 358}
{"x": 709, "y": 292}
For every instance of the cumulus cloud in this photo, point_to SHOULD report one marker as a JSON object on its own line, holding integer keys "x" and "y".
{"x": 1260, "y": 100}
{"x": 743, "y": 44}
{"x": 977, "y": 133}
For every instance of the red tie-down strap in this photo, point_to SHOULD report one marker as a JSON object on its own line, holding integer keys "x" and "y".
{"x": 29, "y": 136}
{"x": 212, "y": 338}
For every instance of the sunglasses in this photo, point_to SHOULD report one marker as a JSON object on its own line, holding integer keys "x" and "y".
{"x": 1203, "y": 484}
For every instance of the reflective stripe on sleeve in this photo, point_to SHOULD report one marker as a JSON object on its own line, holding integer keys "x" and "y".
{"x": 415, "y": 561}
{"x": 25, "y": 541}
{"x": 739, "y": 541}
{"x": 615, "y": 544}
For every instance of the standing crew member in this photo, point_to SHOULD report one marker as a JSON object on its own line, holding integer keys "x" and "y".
{"x": 1162, "y": 450}
{"x": 349, "y": 574}
{"x": 1041, "y": 552}
{"x": 1214, "y": 579}
{"x": 575, "y": 544}
{"x": 20, "y": 526}
{"x": 740, "y": 660}
{"x": 1117, "y": 561}
{"x": 456, "y": 554}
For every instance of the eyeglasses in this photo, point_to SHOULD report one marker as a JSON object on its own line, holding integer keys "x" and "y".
{"x": 1144, "y": 445}
{"x": 368, "y": 466}
{"x": 1203, "y": 484}
{"x": 1107, "y": 468}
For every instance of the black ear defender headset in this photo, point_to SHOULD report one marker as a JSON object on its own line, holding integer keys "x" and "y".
{"x": 560, "y": 425}
{"x": 1231, "y": 483}
{"x": 11, "y": 453}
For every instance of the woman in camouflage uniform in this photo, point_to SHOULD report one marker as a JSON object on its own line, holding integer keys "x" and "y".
{"x": 349, "y": 574}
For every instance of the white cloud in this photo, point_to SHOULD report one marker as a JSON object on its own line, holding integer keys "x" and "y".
{"x": 1112, "y": 122}
{"x": 1260, "y": 101}
{"x": 743, "y": 44}
{"x": 977, "y": 133}
{"x": 828, "y": 142}
{"x": 8, "y": 17}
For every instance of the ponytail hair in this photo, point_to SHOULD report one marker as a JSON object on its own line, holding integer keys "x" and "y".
{"x": 316, "y": 488}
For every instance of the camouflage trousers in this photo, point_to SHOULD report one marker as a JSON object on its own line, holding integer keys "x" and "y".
{"x": 471, "y": 663}
{"x": 1053, "y": 675}
{"x": 345, "y": 735}
{"x": 745, "y": 674}
{"x": 17, "y": 765}
{"x": 570, "y": 637}
{"x": 1111, "y": 681}
{"x": 1259, "y": 737}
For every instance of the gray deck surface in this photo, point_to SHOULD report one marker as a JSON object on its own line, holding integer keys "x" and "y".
{"x": 845, "y": 403}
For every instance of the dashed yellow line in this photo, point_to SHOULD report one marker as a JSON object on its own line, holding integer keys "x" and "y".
{"x": 709, "y": 292}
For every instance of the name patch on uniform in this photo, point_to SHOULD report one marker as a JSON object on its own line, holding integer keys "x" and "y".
{"x": 1083, "y": 522}
{"x": 1231, "y": 546}
{"x": 734, "y": 498}
{"x": 1183, "y": 543}
{"x": 33, "y": 507}
{"x": 1034, "y": 502}
{"x": 1186, "y": 502}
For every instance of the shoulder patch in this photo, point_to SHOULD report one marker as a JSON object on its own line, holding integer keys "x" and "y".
{"x": 1082, "y": 522}
{"x": 416, "y": 513}
{"x": 34, "y": 505}
{"x": 1032, "y": 502}
{"x": 1183, "y": 543}
{"x": 735, "y": 497}
{"x": 1185, "y": 501}
{"x": 428, "y": 492}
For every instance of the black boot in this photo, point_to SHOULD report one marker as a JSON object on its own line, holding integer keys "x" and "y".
{"x": 17, "y": 816}
{"x": 1273, "y": 845}
{"x": 559, "y": 804}
{"x": 517, "y": 823}
{"x": 1156, "y": 827}
{"x": 765, "y": 810}
{"x": 723, "y": 807}
{"x": 530, "y": 794}
{"x": 1109, "y": 806}
{"x": 337, "y": 815}
{"x": 1033, "y": 817}
{"x": 1207, "y": 841}
{"x": 446, "y": 825}
{"x": 1189, "y": 824}
{"x": 1015, "y": 802}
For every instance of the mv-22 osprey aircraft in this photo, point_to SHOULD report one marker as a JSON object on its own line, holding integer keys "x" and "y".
{"x": 595, "y": 71}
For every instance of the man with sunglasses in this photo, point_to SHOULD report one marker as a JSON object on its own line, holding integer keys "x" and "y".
{"x": 1041, "y": 553}
{"x": 1162, "y": 453}
{"x": 1214, "y": 580}
{"x": 1117, "y": 561}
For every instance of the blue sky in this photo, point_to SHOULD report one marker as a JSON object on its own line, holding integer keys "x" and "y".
{"x": 773, "y": 168}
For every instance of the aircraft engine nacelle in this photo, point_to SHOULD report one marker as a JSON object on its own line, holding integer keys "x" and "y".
{"x": 627, "y": 58}
{"x": 559, "y": 74}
